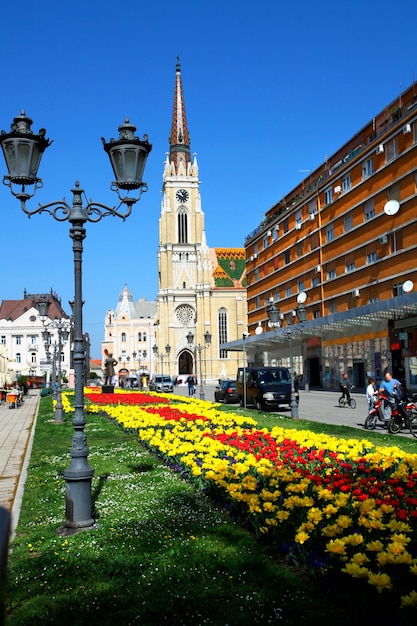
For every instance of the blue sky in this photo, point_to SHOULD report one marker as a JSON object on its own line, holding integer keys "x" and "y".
{"x": 270, "y": 89}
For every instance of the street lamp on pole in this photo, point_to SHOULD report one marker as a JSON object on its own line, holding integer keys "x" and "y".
{"x": 162, "y": 357}
{"x": 200, "y": 348}
{"x": 23, "y": 150}
{"x": 275, "y": 321}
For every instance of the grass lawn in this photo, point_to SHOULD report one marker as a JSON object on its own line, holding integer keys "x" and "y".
{"x": 161, "y": 553}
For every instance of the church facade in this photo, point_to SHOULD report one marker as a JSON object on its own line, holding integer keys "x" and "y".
{"x": 201, "y": 290}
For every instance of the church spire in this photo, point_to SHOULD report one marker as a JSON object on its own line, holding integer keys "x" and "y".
{"x": 179, "y": 138}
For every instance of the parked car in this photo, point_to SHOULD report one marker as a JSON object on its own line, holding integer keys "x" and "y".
{"x": 161, "y": 383}
{"x": 266, "y": 387}
{"x": 226, "y": 392}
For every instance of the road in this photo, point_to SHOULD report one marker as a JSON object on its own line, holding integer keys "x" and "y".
{"x": 318, "y": 406}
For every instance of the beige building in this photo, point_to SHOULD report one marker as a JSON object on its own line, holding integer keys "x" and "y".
{"x": 129, "y": 336}
{"x": 200, "y": 289}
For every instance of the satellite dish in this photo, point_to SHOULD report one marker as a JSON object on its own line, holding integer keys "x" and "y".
{"x": 391, "y": 207}
{"x": 302, "y": 297}
{"x": 408, "y": 286}
{"x": 258, "y": 330}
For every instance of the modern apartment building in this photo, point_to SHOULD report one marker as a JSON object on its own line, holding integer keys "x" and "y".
{"x": 346, "y": 237}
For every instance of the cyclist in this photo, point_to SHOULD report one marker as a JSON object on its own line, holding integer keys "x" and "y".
{"x": 346, "y": 386}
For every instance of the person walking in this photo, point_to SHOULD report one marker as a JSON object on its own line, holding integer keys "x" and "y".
{"x": 190, "y": 383}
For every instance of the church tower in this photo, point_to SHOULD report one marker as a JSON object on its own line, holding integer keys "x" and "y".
{"x": 185, "y": 262}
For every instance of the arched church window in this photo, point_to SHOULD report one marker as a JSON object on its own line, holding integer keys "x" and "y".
{"x": 139, "y": 336}
{"x": 182, "y": 226}
{"x": 184, "y": 285}
{"x": 222, "y": 329}
{"x": 144, "y": 336}
{"x": 123, "y": 338}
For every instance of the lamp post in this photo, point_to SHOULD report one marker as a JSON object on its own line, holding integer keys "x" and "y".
{"x": 275, "y": 322}
{"x": 23, "y": 150}
{"x": 63, "y": 333}
{"x": 200, "y": 348}
{"x": 244, "y": 337}
{"x": 162, "y": 357}
{"x": 134, "y": 355}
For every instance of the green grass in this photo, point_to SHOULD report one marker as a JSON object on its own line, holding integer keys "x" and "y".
{"x": 161, "y": 553}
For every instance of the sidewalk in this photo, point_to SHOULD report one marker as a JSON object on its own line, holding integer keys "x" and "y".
{"x": 16, "y": 435}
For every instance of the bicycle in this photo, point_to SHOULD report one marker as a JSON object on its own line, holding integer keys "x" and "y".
{"x": 343, "y": 402}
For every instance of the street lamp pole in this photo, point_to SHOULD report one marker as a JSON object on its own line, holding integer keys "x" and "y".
{"x": 200, "y": 348}
{"x": 275, "y": 322}
{"x": 23, "y": 150}
{"x": 162, "y": 356}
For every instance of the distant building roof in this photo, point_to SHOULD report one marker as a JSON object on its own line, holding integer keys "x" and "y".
{"x": 13, "y": 309}
{"x": 135, "y": 310}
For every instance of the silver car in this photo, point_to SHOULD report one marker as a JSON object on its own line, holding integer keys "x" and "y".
{"x": 161, "y": 383}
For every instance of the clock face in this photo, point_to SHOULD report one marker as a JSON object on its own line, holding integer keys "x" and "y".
{"x": 182, "y": 195}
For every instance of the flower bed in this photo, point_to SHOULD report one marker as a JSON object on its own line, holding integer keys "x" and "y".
{"x": 332, "y": 503}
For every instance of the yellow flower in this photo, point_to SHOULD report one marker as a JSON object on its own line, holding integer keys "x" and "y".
{"x": 380, "y": 581}
{"x": 410, "y": 600}
{"x": 336, "y": 546}
{"x": 301, "y": 537}
{"x": 355, "y": 570}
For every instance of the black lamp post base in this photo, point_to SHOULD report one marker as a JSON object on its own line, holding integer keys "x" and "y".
{"x": 107, "y": 389}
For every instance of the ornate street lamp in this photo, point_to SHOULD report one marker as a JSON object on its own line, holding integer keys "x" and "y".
{"x": 162, "y": 356}
{"x": 23, "y": 149}
{"x": 200, "y": 348}
{"x": 275, "y": 321}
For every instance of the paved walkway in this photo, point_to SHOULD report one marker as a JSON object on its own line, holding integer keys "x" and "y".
{"x": 16, "y": 435}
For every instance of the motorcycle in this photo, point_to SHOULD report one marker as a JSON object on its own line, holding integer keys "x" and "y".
{"x": 404, "y": 417}
{"x": 376, "y": 413}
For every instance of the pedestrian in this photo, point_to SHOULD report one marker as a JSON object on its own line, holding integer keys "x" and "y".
{"x": 370, "y": 392}
{"x": 392, "y": 392}
{"x": 190, "y": 383}
{"x": 346, "y": 386}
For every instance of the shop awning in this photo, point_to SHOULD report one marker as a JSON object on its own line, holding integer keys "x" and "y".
{"x": 367, "y": 318}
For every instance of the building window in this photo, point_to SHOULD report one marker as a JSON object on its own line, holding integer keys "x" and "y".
{"x": 258, "y": 302}
{"x": 328, "y": 195}
{"x": 182, "y": 226}
{"x": 331, "y": 274}
{"x": 369, "y": 209}
{"x": 316, "y": 314}
{"x": 144, "y": 336}
{"x": 371, "y": 257}
{"x": 350, "y": 267}
{"x": 300, "y": 286}
{"x": 391, "y": 149}
{"x": 397, "y": 289}
{"x": 33, "y": 357}
{"x": 287, "y": 257}
{"x": 367, "y": 169}
{"x": 332, "y": 307}
{"x": 348, "y": 222}
{"x": 394, "y": 192}
{"x": 33, "y": 340}
{"x": 330, "y": 232}
{"x": 314, "y": 241}
{"x": 276, "y": 296}
{"x": 3, "y": 340}
{"x": 285, "y": 226}
{"x": 18, "y": 340}
{"x": 256, "y": 274}
{"x": 288, "y": 292}
{"x": 312, "y": 208}
{"x": 314, "y": 281}
{"x": 18, "y": 358}
{"x": 265, "y": 241}
{"x": 275, "y": 233}
{"x": 222, "y": 319}
{"x": 346, "y": 183}
{"x": 123, "y": 338}
{"x": 139, "y": 336}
